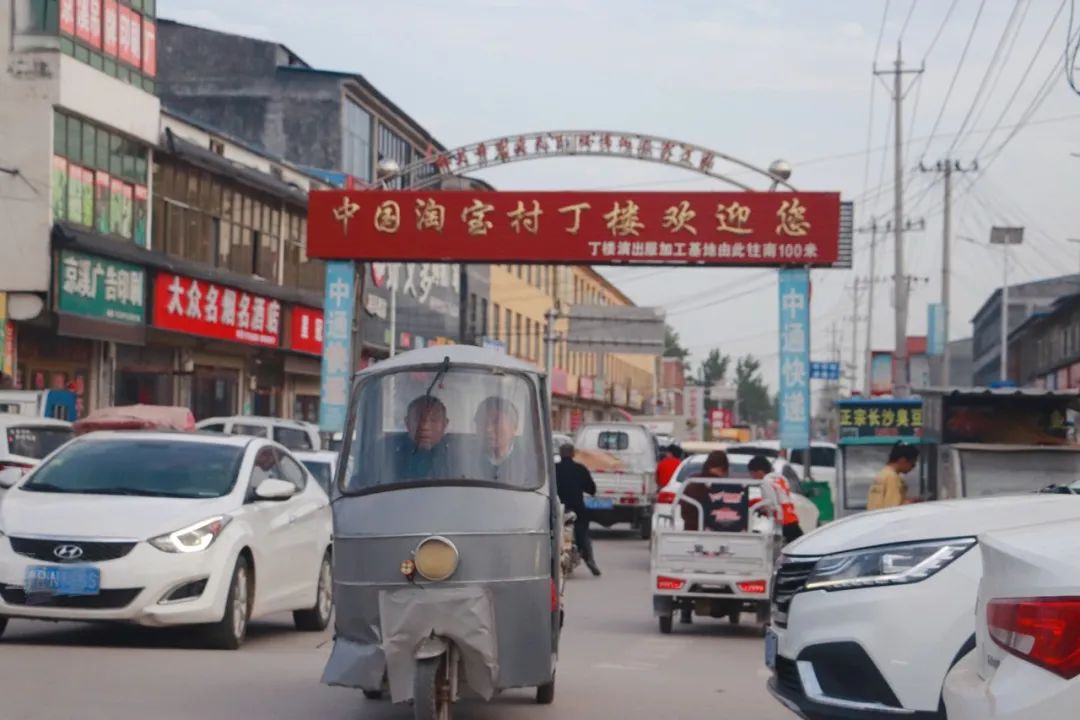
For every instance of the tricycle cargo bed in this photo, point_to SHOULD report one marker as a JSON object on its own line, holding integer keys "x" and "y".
{"x": 717, "y": 553}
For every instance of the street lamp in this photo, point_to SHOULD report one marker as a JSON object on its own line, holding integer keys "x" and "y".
{"x": 781, "y": 172}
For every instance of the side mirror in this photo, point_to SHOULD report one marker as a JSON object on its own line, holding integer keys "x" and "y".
{"x": 9, "y": 476}
{"x": 274, "y": 489}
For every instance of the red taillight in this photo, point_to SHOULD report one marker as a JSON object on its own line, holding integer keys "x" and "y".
{"x": 665, "y": 497}
{"x": 752, "y": 586}
{"x": 1043, "y": 631}
{"x": 554, "y": 596}
{"x": 669, "y": 583}
{"x": 629, "y": 500}
{"x": 16, "y": 466}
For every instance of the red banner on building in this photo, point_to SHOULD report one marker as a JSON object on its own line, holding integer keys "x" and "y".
{"x": 149, "y": 48}
{"x": 197, "y": 307}
{"x": 110, "y": 26}
{"x": 82, "y": 20}
{"x": 717, "y": 228}
{"x": 95, "y": 23}
{"x": 306, "y": 330}
{"x": 67, "y": 17}
{"x": 123, "y": 25}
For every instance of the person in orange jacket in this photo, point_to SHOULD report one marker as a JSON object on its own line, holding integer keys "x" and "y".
{"x": 776, "y": 497}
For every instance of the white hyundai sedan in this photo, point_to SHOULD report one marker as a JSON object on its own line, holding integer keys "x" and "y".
{"x": 166, "y": 529}
{"x": 1026, "y": 662}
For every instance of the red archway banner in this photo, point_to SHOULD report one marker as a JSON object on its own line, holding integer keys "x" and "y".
{"x": 594, "y": 228}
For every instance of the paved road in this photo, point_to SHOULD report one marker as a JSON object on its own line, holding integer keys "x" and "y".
{"x": 614, "y": 664}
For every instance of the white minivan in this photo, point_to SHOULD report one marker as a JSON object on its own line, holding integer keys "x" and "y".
{"x": 293, "y": 434}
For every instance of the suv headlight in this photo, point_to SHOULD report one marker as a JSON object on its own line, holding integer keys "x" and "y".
{"x": 192, "y": 538}
{"x": 886, "y": 565}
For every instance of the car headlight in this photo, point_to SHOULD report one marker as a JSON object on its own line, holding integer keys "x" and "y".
{"x": 886, "y": 565}
{"x": 193, "y": 538}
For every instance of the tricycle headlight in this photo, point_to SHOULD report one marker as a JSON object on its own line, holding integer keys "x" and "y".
{"x": 886, "y": 565}
{"x": 193, "y": 538}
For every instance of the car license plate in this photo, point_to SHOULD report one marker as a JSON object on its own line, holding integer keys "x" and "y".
{"x": 599, "y": 503}
{"x": 54, "y": 580}
{"x": 771, "y": 642}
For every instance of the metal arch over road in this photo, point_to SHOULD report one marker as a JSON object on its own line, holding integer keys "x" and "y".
{"x": 574, "y": 143}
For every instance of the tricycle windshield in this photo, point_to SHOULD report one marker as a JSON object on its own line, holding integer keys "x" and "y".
{"x": 446, "y": 425}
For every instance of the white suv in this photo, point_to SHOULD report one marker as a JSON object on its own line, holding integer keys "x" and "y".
{"x": 293, "y": 434}
{"x": 870, "y": 613}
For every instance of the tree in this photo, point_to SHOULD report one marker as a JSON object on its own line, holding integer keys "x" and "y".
{"x": 756, "y": 404}
{"x": 673, "y": 348}
{"x": 714, "y": 367}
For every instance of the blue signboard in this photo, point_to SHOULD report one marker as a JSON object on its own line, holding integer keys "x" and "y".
{"x": 935, "y": 329}
{"x": 824, "y": 370}
{"x": 338, "y": 303}
{"x": 794, "y": 358}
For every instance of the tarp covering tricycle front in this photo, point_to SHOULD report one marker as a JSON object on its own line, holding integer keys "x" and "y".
{"x": 137, "y": 417}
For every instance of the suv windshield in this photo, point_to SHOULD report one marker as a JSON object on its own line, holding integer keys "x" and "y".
{"x": 164, "y": 468}
{"x": 36, "y": 442}
{"x": 453, "y": 425}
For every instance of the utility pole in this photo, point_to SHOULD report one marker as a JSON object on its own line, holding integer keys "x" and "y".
{"x": 855, "y": 336}
{"x": 900, "y": 368}
{"x": 946, "y": 167}
{"x": 874, "y": 229}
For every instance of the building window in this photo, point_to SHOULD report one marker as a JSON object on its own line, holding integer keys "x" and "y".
{"x": 494, "y": 320}
{"x": 483, "y": 316}
{"x": 99, "y": 179}
{"x": 517, "y": 335}
{"x": 394, "y": 147}
{"x": 357, "y": 142}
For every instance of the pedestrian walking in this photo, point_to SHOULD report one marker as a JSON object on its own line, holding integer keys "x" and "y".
{"x": 889, "y": 489}
{"x": 776, "y": 497}
{"x": 574, "y": 482}
{"x": 669, "y": 463}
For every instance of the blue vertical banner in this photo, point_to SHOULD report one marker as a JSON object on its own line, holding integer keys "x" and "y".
{"x": 935, "y": 329}
{"x": 794, "y": 358}
{"x": 338, "y": 304}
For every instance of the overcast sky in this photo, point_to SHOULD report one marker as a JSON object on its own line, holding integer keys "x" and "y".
{"x": 759, "y": 80}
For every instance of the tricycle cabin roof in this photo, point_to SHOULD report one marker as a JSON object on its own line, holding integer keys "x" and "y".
{"x": 459, "y": 355}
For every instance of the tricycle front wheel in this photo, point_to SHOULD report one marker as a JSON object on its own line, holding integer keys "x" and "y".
{"x": 431, "y": 689}
{"x": 545, "y": 694}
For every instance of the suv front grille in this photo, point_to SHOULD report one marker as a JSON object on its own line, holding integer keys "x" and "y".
{"x": 790, "y": 578}
{"x": 45, "y": 550}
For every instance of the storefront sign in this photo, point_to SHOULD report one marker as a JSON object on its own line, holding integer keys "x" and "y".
{"x": 337, "y": 345}
{"x": 794, "y": 358}
{"x": 197, "y": 307}
{"x": 67, "y": 17}
{"x": 1019, "y": 420}
{"x": 560, "y": 382}
{"x": 306, "y": 330}
{"x": 721, "y": 420}
{"x": 725, "y": 228}
{"x": 111, "y": 29}
{"x": 881, "y": 368}
{"x": 880, "y": 419}
{"x": 586, "y": 390}
{"x": 99, "y": 288}
{"x": 149, "y": 47}
{"x": 9, "y": 349}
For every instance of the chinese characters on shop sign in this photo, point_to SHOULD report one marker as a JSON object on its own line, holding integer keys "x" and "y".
{"x": 202, "y": 308}
{"x": 99, "y": 288}
{"x": 596, "y": 228}
{"x": 337, "y": 345}
{"x": 794, "y": 358}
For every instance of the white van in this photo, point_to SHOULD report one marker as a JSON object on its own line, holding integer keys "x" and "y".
{"x": 293, "y": 434}
{"x": 625, "y": 491}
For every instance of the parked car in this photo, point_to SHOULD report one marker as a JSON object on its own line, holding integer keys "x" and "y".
{"x": 870, "y": 612}
{"x": 293, "y": 434}
{"x": 691, "y": 467}
{"x": 321, "y": 464}
{"x": 167, "y": 529}
{"x": 25, "y": 441}
{"x": 1026, "y": 661}
{"x": 56, "y": 404}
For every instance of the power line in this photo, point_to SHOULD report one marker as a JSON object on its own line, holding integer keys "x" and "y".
{"x": 956, "y": 75}
{"x": 1023, "y": 79}
{"x": 940, "y": 30}
{"x": 986, "y": 76}
{"x": 1004, "y": 62}
{"x": 903, "y": 28}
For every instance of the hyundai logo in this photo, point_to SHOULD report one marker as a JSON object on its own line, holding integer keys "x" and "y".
{"x": 68, "y": 552}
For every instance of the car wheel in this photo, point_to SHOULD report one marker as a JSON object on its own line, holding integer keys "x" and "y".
{"x": 229, "y": 632}
{"x": 373, "y": 694}
{"x": 431, "y": 690}
{"x": 646, "y": 528}
{"x": 665, "y": 624}
{"x": 315, "y": 619}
